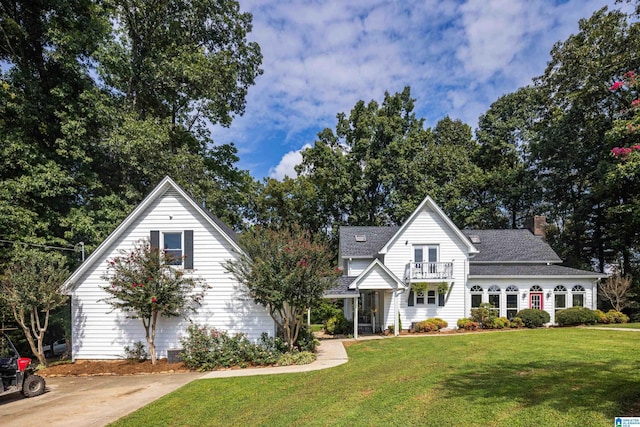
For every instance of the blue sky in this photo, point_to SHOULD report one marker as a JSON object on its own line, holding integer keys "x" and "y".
{"x": 321, "y": 57}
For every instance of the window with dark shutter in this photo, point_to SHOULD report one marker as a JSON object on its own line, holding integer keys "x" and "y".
{"x": 188, "y": 249}
{"x": 410, "y": 303}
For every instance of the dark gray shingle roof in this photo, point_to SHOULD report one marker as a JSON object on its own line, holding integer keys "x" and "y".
{"x": 511, "y": 246}
{"x": 527, "y": 270}
{"x": 376, "y": 238}
{"x": 342, "y": 288}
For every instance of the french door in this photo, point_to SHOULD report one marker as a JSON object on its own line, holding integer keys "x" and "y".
{"x": 535, "y": 300}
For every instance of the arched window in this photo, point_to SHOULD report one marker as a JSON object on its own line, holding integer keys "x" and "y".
{"x": 560, "y": 297}
{"x": 535, "y": 297}
{"x": 578, "y": 294}
{"x": 512, "y": 301}
{"x": 476, "y": 296}
{"x": 494, "y": 299}
{"x": 535, "y": 288}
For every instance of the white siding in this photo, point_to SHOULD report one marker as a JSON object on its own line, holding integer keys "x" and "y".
{"x": 357, "y": 266}
{"x": 427, "y": 228}
{"x": 524, "y": 285}
{"x": 101, "y": 334}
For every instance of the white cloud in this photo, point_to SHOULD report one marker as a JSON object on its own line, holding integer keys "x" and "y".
{"x": 287, "y": 164}
{"x": 321, "y": 57}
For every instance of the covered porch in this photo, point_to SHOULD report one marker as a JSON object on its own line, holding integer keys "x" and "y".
{"x": 371, "y": 300}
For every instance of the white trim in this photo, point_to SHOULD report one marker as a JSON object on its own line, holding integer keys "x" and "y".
{"x": 540, "y": 277}
{"x": 376, "y": 262}
{"x": 517, "y": 262}
{"x": 164, "y": 185}
{"x": 340, "y": 296}
{"x": 429, "y": 201}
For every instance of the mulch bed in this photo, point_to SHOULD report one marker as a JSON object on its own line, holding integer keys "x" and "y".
{"x": 85, "y": 368}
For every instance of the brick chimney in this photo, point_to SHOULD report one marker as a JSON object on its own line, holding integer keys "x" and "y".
{"x": 537, "y": 225}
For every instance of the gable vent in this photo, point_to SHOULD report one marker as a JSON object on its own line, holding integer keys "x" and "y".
{"x": 475, "y": 239}
{"x": 360, "y": 238}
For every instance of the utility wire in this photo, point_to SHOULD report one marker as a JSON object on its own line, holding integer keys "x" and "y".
{"x": 41, "y": 246}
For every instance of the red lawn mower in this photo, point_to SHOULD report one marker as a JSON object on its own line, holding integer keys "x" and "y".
{"x": 16, "y": 372}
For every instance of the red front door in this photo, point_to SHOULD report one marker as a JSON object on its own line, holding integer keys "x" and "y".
{"x": 535, "y": 300}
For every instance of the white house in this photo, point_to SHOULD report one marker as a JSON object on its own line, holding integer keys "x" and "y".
{"x": 392, "y": 274}
{"x": 172, "y": 220}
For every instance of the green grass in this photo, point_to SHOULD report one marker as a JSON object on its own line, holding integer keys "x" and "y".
{"x": 546, "y": 377}
{"x": 316, "y": 327}
{"x": 619, "y": 325}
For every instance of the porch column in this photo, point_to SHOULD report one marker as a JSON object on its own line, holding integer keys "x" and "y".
{"x": 396, "y": 306}
{"x": 355, "y": 317}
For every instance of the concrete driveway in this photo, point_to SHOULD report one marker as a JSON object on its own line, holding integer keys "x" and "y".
{"x": 100, "y": 400}
{"x": 88, "y": 401}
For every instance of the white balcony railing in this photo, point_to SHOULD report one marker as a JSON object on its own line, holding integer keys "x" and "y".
{"x": 429, "y": 270}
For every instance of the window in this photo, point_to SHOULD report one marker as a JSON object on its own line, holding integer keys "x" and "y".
{"x": 560, "y": 297}
{"x": 535, "y": 288}
{"x": 494, "y": 299}
{"x": 172, "y": 245}
{"x": 425, "y": 258}
{"x": 476, "y": 296}
{"x": 431, "y": 297}
{"x": 578, "y": 295}
{"x": 420, "y": 297}
{"x": 441, "y": 300}
{"x": 512, "y": 301}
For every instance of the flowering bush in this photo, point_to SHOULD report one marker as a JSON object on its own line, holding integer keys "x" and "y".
{"x": 627, "y": 126}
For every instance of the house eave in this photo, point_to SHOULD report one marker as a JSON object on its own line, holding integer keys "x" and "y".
{"x": 546, "y": 276}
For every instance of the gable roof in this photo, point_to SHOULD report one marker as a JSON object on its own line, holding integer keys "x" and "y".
{"x": 428, "y": 201}
{"x": 519, "y": 246}
{"x": 376, "y": 264}
{"x": 374, "y": 239}
{"x": 164, "y": 185}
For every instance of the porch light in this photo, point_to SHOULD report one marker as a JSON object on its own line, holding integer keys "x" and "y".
{"x": 548, "y": 294}
{"x": 524, "y": 295}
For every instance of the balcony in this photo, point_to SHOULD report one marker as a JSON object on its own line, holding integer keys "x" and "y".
{"x": 428, "y": 271}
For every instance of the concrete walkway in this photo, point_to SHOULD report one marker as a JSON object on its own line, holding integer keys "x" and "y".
{"x": 330, "y": 353}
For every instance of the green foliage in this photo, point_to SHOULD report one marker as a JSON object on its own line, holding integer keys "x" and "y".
{"x": 325, "y": 310}
{"x": 306, "y": 341}
{"x": 144, "y": 284}
{"x": 533, "y": 317}
{"x": 467, "y": 324}
{"x": 137, "y": 352}
{"x": 602, "y": 317}
{"x": 516, "y": 322}
{"x": 574, "y": 316}
{"x": 493, "y": 322}
{"x": 208, "y": 349}
{"x": 483, "y": 315}
{"x": 430, "y": 325}
{"x": 31, "y": 288}
{"x": 614, "y": 316}
{"x": 338, "y": 325}
{"x": 302, "y": 358}
{"x": 286, "y": 271}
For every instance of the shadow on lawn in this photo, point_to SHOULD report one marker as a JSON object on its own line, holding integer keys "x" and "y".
{"x": 603, "y": 387}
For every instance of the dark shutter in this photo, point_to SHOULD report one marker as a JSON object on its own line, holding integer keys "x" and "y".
{"x": 188, "y": 249}
{"x": 155, "y": 239}
{"x": 441, "y": 300}
{"x": 411, "y": 301}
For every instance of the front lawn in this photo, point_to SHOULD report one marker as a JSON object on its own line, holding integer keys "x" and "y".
{"x": 618, "y": 325}
{"x": 564, "y": 376}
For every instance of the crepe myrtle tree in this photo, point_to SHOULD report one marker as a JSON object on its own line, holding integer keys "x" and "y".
{"x": 145, "y": 283}
{"x": 30, "y": 287}
{"x": 285, "y": 270}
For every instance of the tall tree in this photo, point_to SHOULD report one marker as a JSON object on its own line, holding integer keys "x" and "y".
{"x": 505, "y": 133}
{"x": 31, "y": 288}
{"x": 286, "y": 271}
{"x": 572, "y": 156}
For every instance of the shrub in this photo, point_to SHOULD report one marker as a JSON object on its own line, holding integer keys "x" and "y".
{"x": 301, "y": 358}
{"x": 338, "y": 324}
{"x": 493, "y": 322}
{"x": 136, "y": 353}
{"x": 516, "y": 322}
{"x": 602, "y": 318}
{"x": 430, "y": 325}
{"x": 467, "y": 324}
{"x": 574, "y": 316}
{"x": 306, "y": 340}
{"x": 481, "y": 314}
{"x": 616, "y": 317}
{"x": 208, "y": 348}
{"x": 533, "y": 317}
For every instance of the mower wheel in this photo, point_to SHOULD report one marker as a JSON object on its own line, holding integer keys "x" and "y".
{"x": 33, "y": 386}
